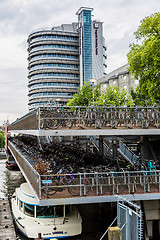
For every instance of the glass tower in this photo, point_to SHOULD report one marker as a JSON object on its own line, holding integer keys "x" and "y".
{"x": 53, "y": 65}
{"x": 85, "y": 44}
{"x": 63, "y": 58}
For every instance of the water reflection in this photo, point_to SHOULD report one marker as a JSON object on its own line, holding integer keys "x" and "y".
{"x": 9, "y": 180}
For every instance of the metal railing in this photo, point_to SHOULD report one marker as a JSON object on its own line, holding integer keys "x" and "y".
{"x": 129, "y": 220}
{"x": 53, "y": 117}
{"x": 104, "y": 183}
{"x": 128, "y": 154}
{"x": 31, "y": 174}
{"x": 87, "y": 183}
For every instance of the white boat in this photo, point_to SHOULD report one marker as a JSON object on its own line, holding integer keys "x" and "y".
{"x": 49, "y": 221}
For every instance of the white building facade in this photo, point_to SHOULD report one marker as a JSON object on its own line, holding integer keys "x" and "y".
{"x": 121, "y": 78}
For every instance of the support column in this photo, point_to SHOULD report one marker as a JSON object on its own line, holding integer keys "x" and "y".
{"x": 114, "y": 147}
{"x": 150, "y": 229}
{"x": 101, "y": 145}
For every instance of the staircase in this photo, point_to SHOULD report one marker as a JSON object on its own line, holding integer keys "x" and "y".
{"x": 128, "y": 154}
{"x": 141, "y": 226}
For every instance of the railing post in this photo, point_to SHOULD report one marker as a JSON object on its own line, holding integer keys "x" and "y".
{"x": 79, "y": 115}
{"x": 129, "y": 189}
{"x": 96, "y": 184}
{"x": 159, "y": 180}
{"x": 80, "y": 181}
{"x": 40, "y": 189}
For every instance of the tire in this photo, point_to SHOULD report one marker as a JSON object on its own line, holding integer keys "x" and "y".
{"x": 51, "y": 191}
{"x": 74, "y": 190}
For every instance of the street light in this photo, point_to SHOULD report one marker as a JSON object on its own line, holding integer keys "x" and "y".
{"x": 93, "y": 81}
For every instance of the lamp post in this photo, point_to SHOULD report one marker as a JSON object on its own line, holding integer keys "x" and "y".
{"x": 93, "y": 81}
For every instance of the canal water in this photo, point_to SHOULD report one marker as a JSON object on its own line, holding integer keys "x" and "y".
{"x": 96, "y": 217}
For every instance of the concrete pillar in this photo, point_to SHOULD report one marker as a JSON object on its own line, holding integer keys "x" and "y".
{"x": 150, "y": 228}
{"x": 114, "y": 147}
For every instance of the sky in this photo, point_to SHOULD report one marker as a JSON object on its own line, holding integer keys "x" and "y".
{"x": 19, "y": 18}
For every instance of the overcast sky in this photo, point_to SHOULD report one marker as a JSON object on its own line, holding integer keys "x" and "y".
{"x": 18, "y": 18}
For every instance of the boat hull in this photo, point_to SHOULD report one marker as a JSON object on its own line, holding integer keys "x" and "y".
{"x": 47, "y": 232}
{"x": 66, "y": 223}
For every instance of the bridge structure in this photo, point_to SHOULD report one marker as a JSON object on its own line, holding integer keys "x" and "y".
{"x": 111, "y": 123}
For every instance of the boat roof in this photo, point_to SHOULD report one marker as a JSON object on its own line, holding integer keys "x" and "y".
{"x": 25, "y": 194}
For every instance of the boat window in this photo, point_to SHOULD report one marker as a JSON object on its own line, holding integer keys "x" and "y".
{"x": 49, "y": 212}
{"x": 29, "y": 210}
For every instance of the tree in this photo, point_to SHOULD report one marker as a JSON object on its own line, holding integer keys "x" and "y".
{"x": 140, "y": 99}
{"x": 2, "y": 140}
{"x": 144, "y": 58}
{"x": 115, "y": 97}
{"x": 84, "y": 96}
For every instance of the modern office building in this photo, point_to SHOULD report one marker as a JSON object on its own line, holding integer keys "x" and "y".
{"x": 62, "y": 58}
{"x": 120, "y": 77}
{"x": 92, "y": 48}
{"x": 53, "y": 65}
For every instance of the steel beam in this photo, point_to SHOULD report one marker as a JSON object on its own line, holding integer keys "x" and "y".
{"x": 89, "y": 132}
{"x": 99, "y": 199}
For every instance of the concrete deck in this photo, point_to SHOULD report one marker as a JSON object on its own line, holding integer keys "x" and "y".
{"x": 90, "y": 132}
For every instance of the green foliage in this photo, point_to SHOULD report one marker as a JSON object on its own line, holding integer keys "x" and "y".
{"x": 115, "y": 97}
{"x": 110, "y": 97}
{"x": 139, "y": 99}
{"x": 84, "y": 96}
{"x": 144, "y": 58}
{"x": 2, "y": 140}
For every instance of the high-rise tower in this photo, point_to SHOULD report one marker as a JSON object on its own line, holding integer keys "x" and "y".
{"x": 85, "y": 44}
{"x": 92, "y": 49}
{"x": 53, "y": 65}
{"x": 62, "y": 58}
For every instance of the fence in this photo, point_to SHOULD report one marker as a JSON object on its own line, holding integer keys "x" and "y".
{"x": 104, "y": 183}
{"x": 129, "y": 220}
{"x": 54, "y": 117}
{"x": 87, "y": 183}
{"x": 26, "y": 167}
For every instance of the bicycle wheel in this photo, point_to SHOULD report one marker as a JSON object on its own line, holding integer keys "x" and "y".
{"x": 51, "y": 192}
{"x": 74, "y": 189}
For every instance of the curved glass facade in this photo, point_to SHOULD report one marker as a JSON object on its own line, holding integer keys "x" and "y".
{"x": 36, "y": 85}
{"x": 57, "y": 65}
{"x": 43, "y": 35}
{"x": 53, "y": 63}
{"x": 50, "y": 55}
{"x": 62, "y": 58}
